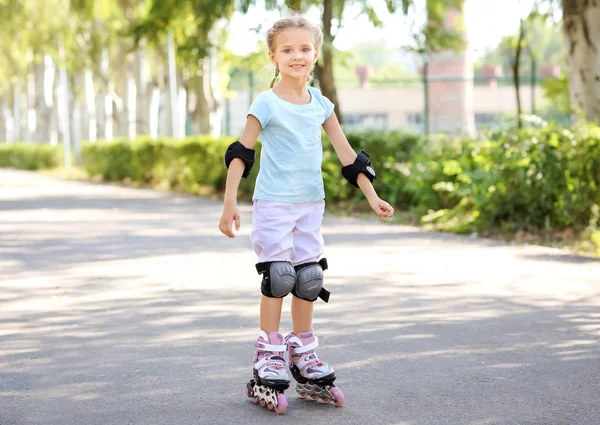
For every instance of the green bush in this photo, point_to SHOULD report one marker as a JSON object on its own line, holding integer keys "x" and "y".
{"x": 28, "y": 156}
{"x": 537, "y": 178}
{"x": 533, "y": 179}
{"x": 389, "y": 152}
{"x": 187, "y": 164}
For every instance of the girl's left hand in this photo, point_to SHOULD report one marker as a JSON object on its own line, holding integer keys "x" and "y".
{"x": 382, "y": 208}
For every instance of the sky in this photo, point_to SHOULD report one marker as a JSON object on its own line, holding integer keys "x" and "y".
{"x": 487, "y": 21}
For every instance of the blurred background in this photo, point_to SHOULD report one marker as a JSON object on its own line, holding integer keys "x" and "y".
{"x": 120, "y": 68}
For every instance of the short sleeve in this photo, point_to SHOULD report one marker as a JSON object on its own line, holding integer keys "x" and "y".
{"x": 325, "y": 103}
{"x": 260, "y": 110}
{"x": 329, "y": 107}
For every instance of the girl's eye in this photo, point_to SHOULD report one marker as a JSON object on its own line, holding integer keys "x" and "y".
{"x": 287, "y": 51}
{"x": 306, "y": 49}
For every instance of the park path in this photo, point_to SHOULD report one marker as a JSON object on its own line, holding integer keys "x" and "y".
{"x": 127, "y": 306}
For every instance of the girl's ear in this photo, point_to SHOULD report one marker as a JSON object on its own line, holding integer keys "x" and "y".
{"x": 272, "y": 58}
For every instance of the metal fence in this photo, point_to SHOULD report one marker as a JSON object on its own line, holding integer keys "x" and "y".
{"x": 454, "y": 105}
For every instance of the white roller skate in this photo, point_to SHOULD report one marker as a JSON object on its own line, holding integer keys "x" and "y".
{"x": 314, "y": 378}
{"x": 270, "y": 377}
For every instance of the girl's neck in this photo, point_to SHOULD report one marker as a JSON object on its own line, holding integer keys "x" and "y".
{"x": 291, "y": 86}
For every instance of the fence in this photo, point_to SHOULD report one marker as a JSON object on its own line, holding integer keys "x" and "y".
{"x": 417, "y": 104}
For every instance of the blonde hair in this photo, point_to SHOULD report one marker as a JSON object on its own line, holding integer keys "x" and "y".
{"x": 297, "y": 20}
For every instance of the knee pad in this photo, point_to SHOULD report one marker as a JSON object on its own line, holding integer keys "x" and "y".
{"x": 309, "y": 281}
{"x": 279, "y": 278}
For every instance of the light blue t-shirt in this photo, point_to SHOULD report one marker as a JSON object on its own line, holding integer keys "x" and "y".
{"x": 292, "y": 151}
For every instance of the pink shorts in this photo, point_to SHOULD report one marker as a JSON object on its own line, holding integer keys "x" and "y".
{"x": 287, "y": 231}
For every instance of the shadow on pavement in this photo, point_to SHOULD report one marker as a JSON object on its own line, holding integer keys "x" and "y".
{"x": 88, "y": 339}
{"x": 402, "y": 353}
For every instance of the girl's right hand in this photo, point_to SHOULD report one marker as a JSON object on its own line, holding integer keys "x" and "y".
{"x": 230, "y": 215}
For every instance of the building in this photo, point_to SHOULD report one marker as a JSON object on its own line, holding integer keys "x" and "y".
{"x": 404, "y": 108}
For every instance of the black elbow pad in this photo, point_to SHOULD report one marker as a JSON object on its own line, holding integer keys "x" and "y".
{"x": 362, "y": 164}
{"x": 237, "y": 150}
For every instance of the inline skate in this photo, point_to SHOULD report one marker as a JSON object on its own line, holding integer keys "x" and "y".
{"x": 270, "y": 376}
{"x": 314, "y": 378}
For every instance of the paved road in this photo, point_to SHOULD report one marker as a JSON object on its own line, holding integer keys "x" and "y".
{"x": 124, "y": 306}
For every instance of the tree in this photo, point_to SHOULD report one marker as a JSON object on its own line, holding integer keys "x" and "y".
{"x": 513, "y": 47}
{"x": 192, "y": 24}
{"x": 332, "y": 11}
{"x": 324, "y": 70}
{"x": 544, "y": 38}
{"x": 582, "y": 35}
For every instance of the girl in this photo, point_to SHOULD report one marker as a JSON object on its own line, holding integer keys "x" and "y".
{"x": 288, "y": 210}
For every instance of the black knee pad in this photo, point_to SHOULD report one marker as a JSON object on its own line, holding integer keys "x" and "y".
{"x": 279, "y": 278}
{"x": 309, "y": 281}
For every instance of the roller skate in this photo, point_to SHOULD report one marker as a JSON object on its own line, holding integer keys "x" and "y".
{"x": 270, "y": 377}
{"x": 314, "y": 378}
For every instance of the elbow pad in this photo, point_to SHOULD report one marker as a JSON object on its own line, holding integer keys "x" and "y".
{"x": 361, "y": 164}
{"x": 237, "y": 150}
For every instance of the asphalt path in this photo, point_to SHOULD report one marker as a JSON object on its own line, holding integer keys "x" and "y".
{"x": 127, "y": 306}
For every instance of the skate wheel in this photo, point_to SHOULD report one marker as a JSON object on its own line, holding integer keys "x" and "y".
{"x": 326, "y": 400}
{"x": 281, "y": 404}
{"x": 246, "y": 393}
{"x": 270, "y": 406}
{"x": 263, "y": 403}
{"x": 314, "y": 397}
{"x": 255, "y": 400}
{"x": 303, "y": 395}
{"x": 339, "y": 396}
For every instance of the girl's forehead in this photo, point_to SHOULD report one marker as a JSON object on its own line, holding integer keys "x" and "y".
{"x": 295, "y": 36}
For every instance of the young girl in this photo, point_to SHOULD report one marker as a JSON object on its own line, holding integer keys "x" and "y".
{"x": 288, "y": 210}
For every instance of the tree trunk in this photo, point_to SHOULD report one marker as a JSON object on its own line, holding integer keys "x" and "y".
{"x": 64, "y": 117}
{"x": 296, "y": 5}
{"x": 16, "y": 115}
{"x": 76, "y": 130}
{"x": 119, "y": 74}
{"x": 5, "y": 121}
{"x": 201, "y": 113}
{"x": 153, "y": 111}
{"x": 325, "y": 72}
{"x": 44, "y": 100}
{"x": 582, "y": 36}
{"x": 90, "y": 115}
{"x": 207, "y": 114}
{"x": 174, "y": 118}
{"x": 516, "y": 68}
{"x": 30, "y": 100}
{"x": 105, "y": 99}
{"x": 142, "y": 86}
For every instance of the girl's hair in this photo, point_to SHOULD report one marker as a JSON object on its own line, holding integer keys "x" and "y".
{"x": 297, "y": 20}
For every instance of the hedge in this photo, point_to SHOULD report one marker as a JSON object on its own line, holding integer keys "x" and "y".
{"x": 537, "y": 178}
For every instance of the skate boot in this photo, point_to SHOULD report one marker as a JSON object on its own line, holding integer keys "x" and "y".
{"x": 270, "y": 377}
{"x": 314, "y": 378}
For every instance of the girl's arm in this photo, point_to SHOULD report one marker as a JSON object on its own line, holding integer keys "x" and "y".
{"x": 347, "y": 156}
{"x": 234, "y": 176}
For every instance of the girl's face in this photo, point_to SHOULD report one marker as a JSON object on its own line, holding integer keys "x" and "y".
{"x": 295, "y": 53}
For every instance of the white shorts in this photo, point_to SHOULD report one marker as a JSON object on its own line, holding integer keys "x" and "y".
{"x": 287, "y": 231}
